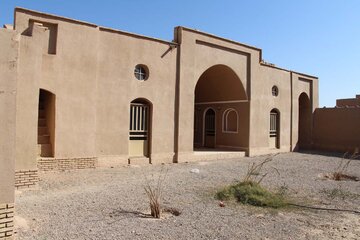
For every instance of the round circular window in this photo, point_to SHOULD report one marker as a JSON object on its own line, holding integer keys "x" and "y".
{"x": 141, "y": 72}
{"x": 275, "y": 91}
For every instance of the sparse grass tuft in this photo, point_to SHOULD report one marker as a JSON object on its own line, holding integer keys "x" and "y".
{"x": 249, "y": 191}
{"x": 339, "y": 193}
{"x": 253, "y": 194}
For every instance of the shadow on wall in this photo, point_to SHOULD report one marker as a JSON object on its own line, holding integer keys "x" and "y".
{"x": 328, "y": 129}
{"x": 221, "y": 110}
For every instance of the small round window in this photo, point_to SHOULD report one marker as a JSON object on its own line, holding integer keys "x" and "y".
{"x": 141, "y": 72}
{"x": 275, "y": 91}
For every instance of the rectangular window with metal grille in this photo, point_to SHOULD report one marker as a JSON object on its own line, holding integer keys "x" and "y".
{"x": 139, "y": 114}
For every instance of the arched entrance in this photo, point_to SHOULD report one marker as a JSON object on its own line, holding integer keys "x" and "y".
{"x": 305, "y": 115}
{"x": 210, "y": 130}
{"x": 274, "y": 140}
{"x": 140, "y": 128}
{"x": 218, "y": 91}
{"x": 46, "y": 124}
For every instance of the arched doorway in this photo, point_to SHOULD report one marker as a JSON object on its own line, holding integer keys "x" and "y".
{"x": 219, "y": 89}
{"x": 140, "y": 128}
{"x": 274, "y": 140}
{"x": 305, "y": 115}
{"x": 210, "y": 129}
{"x": 46, "y": 124}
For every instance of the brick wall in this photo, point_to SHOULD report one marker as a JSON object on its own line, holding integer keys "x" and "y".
{"x": 6, "y": 221}
{"x": 26, "y": 178}
{"x": 52, "y": 164}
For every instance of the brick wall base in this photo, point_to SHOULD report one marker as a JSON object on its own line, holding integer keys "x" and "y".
{"x": 26, "y": 178}
{"x": 6, "y": 221}
{"x": 54, "y": 164}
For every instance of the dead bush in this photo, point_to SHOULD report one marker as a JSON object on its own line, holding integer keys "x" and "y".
{"x": 254, "y": 174}
{"x": 340, "y": 173}
{"x": 154, "y": 193}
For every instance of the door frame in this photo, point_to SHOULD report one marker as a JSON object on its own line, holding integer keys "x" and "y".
{"x": 204, "y": 127}
{"x": 143, "y": 102}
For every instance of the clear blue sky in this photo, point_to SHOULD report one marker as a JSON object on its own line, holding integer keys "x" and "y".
{"x": 318, "y": 37}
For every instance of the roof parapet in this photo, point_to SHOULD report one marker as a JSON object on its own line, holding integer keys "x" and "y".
{"x": 9, "y": 26}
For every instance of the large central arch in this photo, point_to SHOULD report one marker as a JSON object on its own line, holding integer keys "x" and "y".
{"x": 219, "y": 88}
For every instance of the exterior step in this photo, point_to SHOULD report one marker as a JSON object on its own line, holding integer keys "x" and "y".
{"x": 42, "y": 113}
{"x": 43, "y": 139}
{"x": 43, "y": 131}
{"x": 45, "y": 150}
{"x": 139, "y": 160}
{"x": 42, "y": 122}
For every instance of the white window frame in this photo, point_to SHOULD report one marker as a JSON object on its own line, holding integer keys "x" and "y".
{"x": 225, "y": 121}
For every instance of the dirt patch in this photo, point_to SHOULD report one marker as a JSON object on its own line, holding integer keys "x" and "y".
{"x": 110, "y": 203}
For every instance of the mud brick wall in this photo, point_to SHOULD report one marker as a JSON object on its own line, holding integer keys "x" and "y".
{"x": 6, "y": 221}
{"x": 51, "y": 164}
{"x": 336, "y": 129}
{"x": 26, "y": 178}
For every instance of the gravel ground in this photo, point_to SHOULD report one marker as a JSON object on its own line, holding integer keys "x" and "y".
{"x": 111, "y": 203}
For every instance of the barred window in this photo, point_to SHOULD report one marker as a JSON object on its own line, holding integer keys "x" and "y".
{"x": 273, "y": 123}
{"x": 139, "y": 115}
{"x": 275, "y": 128}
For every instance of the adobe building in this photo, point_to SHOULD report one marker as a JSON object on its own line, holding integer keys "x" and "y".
{"x": 8, "y": 75}
{"x": 338, "y": 129}
{"x": 80, "y": 95}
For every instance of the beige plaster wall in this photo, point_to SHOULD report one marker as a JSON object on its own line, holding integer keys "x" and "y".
{"x": 118, "y": 55}
{"x": 70, "y": 74}
{"x": 290, "y": 85}
{"x": 199, "y": 52}
{"x": 261, "y": 104}
{"x": 91, "y": 75}
{"x": 337, "y": 129}
{"x": 8, "y": 66}
{"x": 90, "y": 70}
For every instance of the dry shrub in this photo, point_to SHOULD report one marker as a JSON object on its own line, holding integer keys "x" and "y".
{"x": 253, "y": 173}
{"x": 340, "y": 172}
{"x": 154, "y": 193}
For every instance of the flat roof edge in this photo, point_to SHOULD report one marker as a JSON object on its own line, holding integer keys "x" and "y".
{"x": 287, "y": 70}
{"x": 219, "y": 38}
{"x": 304, "y": 75}
{"x": 24, "y": 10}
{"x": 136, "y": 35}
{"x": 355, "y": 99}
